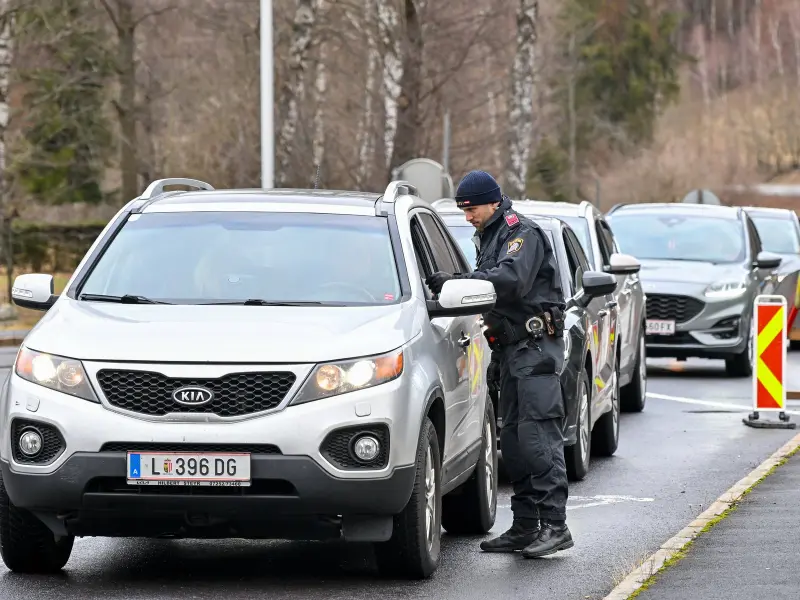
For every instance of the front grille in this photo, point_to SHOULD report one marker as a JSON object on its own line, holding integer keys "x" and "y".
{"x": 165, "y": 447}
{"x": 53, "y": 443}
{"x": 338, "y": 447}
{"x": 672, "y": 307}
{"x": 235, "y": 395}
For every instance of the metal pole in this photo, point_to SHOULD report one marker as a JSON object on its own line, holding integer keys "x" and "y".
{"x": 267, "y": 98}
{"x": 446, "y": 143}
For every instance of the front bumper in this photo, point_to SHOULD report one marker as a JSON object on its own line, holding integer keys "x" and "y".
{"x": 704, "y": 328}
{"x": 299, "y": 465}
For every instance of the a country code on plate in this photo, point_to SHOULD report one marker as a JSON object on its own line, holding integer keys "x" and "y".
{"x": 189, "y": 468}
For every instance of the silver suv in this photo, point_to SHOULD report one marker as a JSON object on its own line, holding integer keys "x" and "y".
{"x": 252, "y": 364}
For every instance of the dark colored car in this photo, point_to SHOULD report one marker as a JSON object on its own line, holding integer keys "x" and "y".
{"x": 589, "y": 374}
{"x": 702, "y": 268}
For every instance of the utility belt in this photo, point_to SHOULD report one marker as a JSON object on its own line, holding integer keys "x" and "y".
{"x": 505, "y": 333}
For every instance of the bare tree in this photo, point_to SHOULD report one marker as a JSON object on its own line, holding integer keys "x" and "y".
{"x": 522, "y": 94}
{"x": 7, "y": 21}
{"x": 409, "y": 114}
{"x": 294, "y": 88}
{"x": 388, "y": 23}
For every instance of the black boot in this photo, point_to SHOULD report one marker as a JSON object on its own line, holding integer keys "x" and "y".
{"x": 552, "y": 538}
{"x": 521, "y": 534}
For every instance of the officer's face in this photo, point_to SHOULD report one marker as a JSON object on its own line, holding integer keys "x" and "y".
{"x": 478, "y": 216}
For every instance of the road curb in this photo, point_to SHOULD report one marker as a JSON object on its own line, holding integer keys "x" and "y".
{"x": 676, "y": 544}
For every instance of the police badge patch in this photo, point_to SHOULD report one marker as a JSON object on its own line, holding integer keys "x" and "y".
{"x": 514, "y": 245}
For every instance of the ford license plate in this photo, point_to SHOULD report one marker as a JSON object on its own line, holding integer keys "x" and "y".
{"x": 659, "y": 327}
{"x": 231, "y": 469}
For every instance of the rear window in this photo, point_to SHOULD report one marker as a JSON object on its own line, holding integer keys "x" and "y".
{"x": 193, "y": 258}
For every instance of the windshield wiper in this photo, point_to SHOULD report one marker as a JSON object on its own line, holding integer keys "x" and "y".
{"x": 259, "y": 302}
{"x": 124, "y": 299}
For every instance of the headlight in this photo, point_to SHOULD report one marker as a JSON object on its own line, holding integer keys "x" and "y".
{"x": 726, "y": 289}
{"x": 332, "y": 379}
{"x": 54, "y": 372}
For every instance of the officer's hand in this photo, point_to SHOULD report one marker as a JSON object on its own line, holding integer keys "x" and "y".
{"x": 436, "y": 281}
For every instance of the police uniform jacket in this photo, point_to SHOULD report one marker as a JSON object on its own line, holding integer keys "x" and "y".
{"x": 516, "y": 256}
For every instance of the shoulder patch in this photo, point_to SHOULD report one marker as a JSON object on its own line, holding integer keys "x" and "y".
{"x": 512, "y": 220}
{"x": 514, "y": 245}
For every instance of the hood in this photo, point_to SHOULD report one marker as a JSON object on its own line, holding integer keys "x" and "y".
{"x": 225, "y": 334}
{"x": 683, "y": 271}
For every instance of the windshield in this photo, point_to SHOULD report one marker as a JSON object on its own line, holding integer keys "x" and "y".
{"x": 778, "y": 235}
{"x": 463, "y": 236}
{"x": 193, "y": 258}
{"x": 677, "y": 236}
{"x": 581, "y": 228}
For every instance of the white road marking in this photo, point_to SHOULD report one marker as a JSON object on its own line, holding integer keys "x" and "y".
{"x": 591, "y": 501}
{"x": 712, "y": 403}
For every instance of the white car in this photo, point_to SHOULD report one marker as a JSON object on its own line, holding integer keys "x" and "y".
{"x": 602, "y": 250}
{"x": 252, "y": 364}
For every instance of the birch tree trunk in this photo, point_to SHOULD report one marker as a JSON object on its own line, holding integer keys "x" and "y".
{"x": 409, "y": 124}
{"x": 522, "y": 94}
{"x": 392, "y": 72}
{"x": 6, "y": 58}
{"x": 365, "y": 139}
{"x": 294, "y": 87}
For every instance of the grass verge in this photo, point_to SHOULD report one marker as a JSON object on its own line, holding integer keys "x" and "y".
{"x": 684, "y": 550}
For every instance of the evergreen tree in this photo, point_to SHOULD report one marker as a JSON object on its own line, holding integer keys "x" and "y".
{"x": 66, "y": 130}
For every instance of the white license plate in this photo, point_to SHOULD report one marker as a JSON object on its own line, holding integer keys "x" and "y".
{"x": 222, "y": 469}
{"x": 655, "y": 327}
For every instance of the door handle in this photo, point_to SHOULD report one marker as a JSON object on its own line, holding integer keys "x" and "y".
{"x": 611, "y": 304}
{"x": 602, "y": 313}
{"x": 464, "y": 341}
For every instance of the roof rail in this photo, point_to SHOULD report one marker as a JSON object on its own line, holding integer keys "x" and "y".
{"x": 399, "y": 188}
{"x": 157, "y": 187}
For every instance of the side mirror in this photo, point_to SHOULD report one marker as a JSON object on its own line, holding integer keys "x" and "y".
{"x": 623, "y": 264}
{"x": 767, "y": 260}
{"x": 34, "y": 291}
{"x": 463, "y": 297}
{"x": 595, "y": 284}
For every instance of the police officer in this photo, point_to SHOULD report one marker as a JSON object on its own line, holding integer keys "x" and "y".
{"x": 525, "y": 332}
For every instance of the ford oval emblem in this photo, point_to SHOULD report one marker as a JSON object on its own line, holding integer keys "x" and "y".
{"x": 192, "y": 396}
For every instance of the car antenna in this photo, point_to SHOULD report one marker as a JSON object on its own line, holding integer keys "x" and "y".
{"x": 316, "y": 179}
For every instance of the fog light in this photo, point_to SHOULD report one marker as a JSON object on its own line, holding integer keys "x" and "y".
{"x": 30, "y": 442}
{"x": 366, "y": 448}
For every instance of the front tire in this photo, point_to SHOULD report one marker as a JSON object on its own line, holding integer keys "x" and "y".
{"x": 605, "y": 436}
{"x": 578, "y": 455}
{"x": 26, "y": 544}
{"x": 472, "y": 508}
{"x": 741, "y": 365}
{"x": 634, "y": 395}
{"x": 413, "y": 550}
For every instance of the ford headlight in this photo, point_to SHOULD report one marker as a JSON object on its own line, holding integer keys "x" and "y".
{"x": 332, "y": 379}
{"x": 57, "y": 373}
{"x": 726, "y": 289}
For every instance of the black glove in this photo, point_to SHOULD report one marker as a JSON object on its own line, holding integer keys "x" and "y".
{"x": 436, "y": 281}
{"x": 493, "y": 376}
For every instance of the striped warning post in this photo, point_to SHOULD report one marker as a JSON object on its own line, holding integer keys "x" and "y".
{"x": 769, "y": 389}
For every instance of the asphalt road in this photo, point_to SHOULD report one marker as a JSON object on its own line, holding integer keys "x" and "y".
{"x": 674, "y": 459}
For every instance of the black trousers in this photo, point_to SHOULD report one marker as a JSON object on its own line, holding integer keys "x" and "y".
{"x": 532, "y": 409}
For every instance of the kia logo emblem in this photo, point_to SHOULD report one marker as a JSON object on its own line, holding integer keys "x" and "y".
{"x": 192, "y": 396}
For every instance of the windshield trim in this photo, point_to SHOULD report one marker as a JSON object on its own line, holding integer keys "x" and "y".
{"x": 95, "y": 254}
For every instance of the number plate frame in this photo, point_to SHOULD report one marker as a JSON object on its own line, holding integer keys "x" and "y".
{"x": 659, "y": 327}
{"x": 147, "y": 461}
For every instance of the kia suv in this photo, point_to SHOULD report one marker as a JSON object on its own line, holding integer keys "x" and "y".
{"x": 252, "y": 364}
